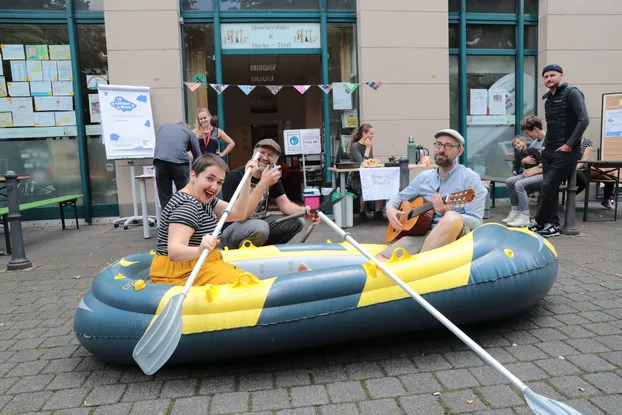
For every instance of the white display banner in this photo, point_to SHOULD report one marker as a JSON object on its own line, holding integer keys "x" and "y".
{"x": 270, "y": 36}
{"x": 379, "y": 183}
{"x": 308, "y": 141}
{"x": 127, "y": 121}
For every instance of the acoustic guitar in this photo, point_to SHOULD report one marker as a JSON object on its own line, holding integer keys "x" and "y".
{"x": 417, "y": 215}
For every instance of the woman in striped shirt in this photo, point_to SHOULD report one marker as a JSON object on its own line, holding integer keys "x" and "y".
{"x": 187, "y": 222}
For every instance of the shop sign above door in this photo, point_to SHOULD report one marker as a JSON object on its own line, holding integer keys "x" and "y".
{"x": 271, "y": 36}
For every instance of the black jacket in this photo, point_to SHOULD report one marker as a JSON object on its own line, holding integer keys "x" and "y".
{"x": 566, "y": 117}
{"x": 521, "y": 155}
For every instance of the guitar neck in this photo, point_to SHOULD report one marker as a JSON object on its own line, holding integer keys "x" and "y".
{"x": 420, "y": 210}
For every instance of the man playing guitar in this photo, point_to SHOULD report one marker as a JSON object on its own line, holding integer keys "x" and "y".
{"x": 448, "y": 223}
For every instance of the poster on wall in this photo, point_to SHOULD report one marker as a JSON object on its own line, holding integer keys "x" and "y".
{"x": 10, "y": 52}
{"x": 127, "y": 121}
{"x": 270, "y": 36}
{"x": 60, "y": 52}
{"x": 94, "y": 110}
{"x": 93, "y": 81}
{"x": 50, "y": 70}
{"x": 479, "y": 101}
{"x": 342, "y": 97}
{"x": 37, "y": 52}
{"x": 53, "y": 103}
{"x": 611, "y": 127}
{"x": 496, "y": 102}
{"x": 306, "y": 141}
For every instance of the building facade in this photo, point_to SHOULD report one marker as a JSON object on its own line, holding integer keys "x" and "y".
{"x": 408, "y": 67}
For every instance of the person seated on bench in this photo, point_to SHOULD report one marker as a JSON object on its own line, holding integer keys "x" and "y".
{"x": 609, "y": 191}
{"x": 521, "y": 184}
{"x": 187, "y": 223}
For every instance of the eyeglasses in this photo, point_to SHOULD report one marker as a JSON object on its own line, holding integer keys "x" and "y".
{"x": 448, "y": 146}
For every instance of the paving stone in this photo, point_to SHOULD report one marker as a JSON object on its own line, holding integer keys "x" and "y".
{"x": 346, "y": 391}
{"x": 463, "y": 359}
{"x": 526, "y": 353}
{"x": 456, "y": 379}
{"x": 62, "y": 365}
{"x": 556, "y": 348}
{"x": 421, "y": 405}
{"x": 612, "y": 342}
{"x": 546, "y": 335}
{"x": 521, "y": 337}
{"x": 501, "y": 396}
{"x": 597, "y": 316}
{"x": 603, "y": 329}
{"x": 526, "y": 371}
{"x": 297, "y": 377}
{"x": 31, "y": 384}
{"x": 179, "y": 388}
{"x": 613, "y": 357}
{"x": 558, "y": 367}
{"x": 385, "y": 387}
{"x": 398, "y": 366}
{"x": 587, "y": 345}
{"x": 68, "y": 380}
{"x": 364, "y": 370}
{"x": 24, "y": 344}
{"x": 142, "y": 391}
{"x": 421, "y": 383}
{"x": 154, "y": 407}
{"x": 309, "y": 395}
{"x": 224, "y": 403}
{"x": 505, "y": 411}
{"x": 59, "y": 352}
{"x": 26, "y": 356}
{"x": 487, "y": 376}
{"x": 103, "y": 395}
{"x": 217, "y": 384}
{"x": 327, "y": 374}
{"x": 457, "y": 402}
{"x": 271, "y": 399}
{"x": 569, "y": 387}
{"x": 609, "y": 404}
{"x": 339, "y": 409}
{"x": 298, "y": 411}
{"x": 576, "y": 332}
{"x": 72, "y": 411}
{"x": 584, "y": 406}
{"x": 4, "y": 399}
{"x": 380, "y": 407}
{"x": 103, "y": 377}
{"x": 544, "y": 389}
{"x": 547, "y": 321}
{"x": 256, "y": 381}
{"x": 197, "y": 405}
{"x": 66, "y": 398}
{"x": 590, "y": 363}
{"x": 116, "y": 409}
{"x": 26, "y": 402}
{"x": 607, "y": 382}
{"x": 90, "y": 362}
{"x": 501, "y": 355}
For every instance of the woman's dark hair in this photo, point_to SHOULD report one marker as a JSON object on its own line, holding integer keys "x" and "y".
{"x": 203, "y": 162}
{"x": 357, "y": 134}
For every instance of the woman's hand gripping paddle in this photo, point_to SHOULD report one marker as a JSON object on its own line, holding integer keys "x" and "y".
{"x": 540, "y": 405}
{"x": 161, "y": 339}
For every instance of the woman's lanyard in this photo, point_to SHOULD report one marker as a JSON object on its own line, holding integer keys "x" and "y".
{"x": 209, "y": 137}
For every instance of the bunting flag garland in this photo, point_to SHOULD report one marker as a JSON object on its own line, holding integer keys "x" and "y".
{"x": 350, "y": 86}
{"x": 219, "y": 88}
{"x": 326, "y": 88}
{"x": 193, "y": 86}
{"x": 374, "y": 85}
{"x": 302, "y": 88}
{"x": 274, "y": 88}
{"x": 246, "y": 88}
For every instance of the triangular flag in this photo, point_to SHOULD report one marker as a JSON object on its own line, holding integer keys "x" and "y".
{"x": 274, "y": 88}
{"x": 193, "y": 86}
{"x": 374, "y": 85}
{"x": 350, "y": 86}
{"x": 246, "y": 88}
{"x": 326, "y": 88}
{"x": 219, "y": 87}
{"x": 302, "y": 88}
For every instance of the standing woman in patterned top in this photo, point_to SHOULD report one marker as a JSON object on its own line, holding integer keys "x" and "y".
{"x": 187, "y": 222}
{"x": 209, "y": 135}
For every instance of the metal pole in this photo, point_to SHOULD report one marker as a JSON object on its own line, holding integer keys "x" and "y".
{"x": 325, "y": 98}
{"x": 404, "y": 172}
{"x": 18, "y": 259}
{"x": 570, "y": 225}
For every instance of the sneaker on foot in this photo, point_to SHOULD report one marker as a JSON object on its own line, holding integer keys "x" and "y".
{"x": 520, "y": 222}
{"x": 608, "y": 204}
{"x": 549, "y": 230}
{"x": 378, "y": 216}
{"x": 512, "y": 216}
{"x": 363, "y": 217}
{"x": 534, "y": 227}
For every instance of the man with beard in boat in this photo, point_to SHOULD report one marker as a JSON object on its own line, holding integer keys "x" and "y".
{"x": 449, "y": 223}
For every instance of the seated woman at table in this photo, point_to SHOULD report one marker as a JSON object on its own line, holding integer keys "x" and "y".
{"x": 187, "y": 223}
{"x": 609, "y": 191}
{"x": 360, "y": 149}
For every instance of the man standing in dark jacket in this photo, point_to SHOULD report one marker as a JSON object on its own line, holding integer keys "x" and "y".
{"x": 566, "y": 121}
{"x": 170, "y": 158}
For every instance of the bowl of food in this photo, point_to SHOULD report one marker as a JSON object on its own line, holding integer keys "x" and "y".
{"x": 371, "y": 163}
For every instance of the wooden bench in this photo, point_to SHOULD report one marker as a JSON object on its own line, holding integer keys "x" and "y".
{"x": 62, "y": 201}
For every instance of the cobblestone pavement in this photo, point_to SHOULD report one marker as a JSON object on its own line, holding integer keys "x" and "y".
{"x": 569, "y": 347}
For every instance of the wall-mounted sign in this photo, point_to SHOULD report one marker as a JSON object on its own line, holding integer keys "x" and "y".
{"x": 271, "y": 36}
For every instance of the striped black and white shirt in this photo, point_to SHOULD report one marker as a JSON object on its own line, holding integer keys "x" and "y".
{"x": 185, "y": 209}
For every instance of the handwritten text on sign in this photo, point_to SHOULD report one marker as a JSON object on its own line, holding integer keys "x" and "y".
{"x": 380, "y": 183}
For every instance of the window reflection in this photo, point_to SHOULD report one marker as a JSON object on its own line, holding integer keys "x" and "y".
{"x": 491, "y": 36}
{"x": 33, "y": 4}
{"x": 491, "y": 6}
{"x": 88, "y": 5}
{"x": 269, "y": 4}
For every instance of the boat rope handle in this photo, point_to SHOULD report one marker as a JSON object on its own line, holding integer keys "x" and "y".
{"x": 399, "y": 254}
{"x": 246, "y": 279}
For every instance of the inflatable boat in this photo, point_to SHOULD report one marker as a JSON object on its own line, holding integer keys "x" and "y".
{"x": 488, "y": 274}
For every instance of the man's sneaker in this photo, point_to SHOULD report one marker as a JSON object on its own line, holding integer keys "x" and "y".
{"x": 512, "y": 216}
{"x": 549, "y": 231}
{"x": 520, "y": 222}
{"x": 534, "y": 227}
{"x": 608, "y": 204}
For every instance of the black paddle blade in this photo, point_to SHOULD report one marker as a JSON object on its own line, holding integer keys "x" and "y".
{"x": 541, "y": 405}
{"x": 160, "y": 341}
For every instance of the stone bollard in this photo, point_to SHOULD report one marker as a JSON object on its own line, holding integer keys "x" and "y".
{"x": 404, "y": 172}
{"x": 18, "y": 259}
{"x": 570, "y": 224}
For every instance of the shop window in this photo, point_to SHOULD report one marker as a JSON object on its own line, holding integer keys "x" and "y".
{"x": 454, "y": 36}
{"x": 454, "y": 93}
{"x": 197, "y": 4}
{"x": 37, "y": 115}
{"x": 342, "y": 68}
{"x": 269, "y": 4}
{"x": 199, "y": 57}
{"x": 531, "y": 7}
{"x": 341, "y": 5}
{"x": 94, "y": 71}
{"x": 32, "y": 4}
{"x": 88, "y": 5}
{"x": 530, "y": 83}
{"x": 491, "y": 6}
{"x": 531, "y": 39}
{"x": 454, "y": 6}
{"x": 487, "y": 36}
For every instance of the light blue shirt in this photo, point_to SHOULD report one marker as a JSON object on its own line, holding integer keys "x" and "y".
{"x": 537, "y": 144}
{"x": 428, "y": 182}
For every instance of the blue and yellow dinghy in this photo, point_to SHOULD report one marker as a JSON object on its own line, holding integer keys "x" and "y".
{"x": 491, "y": 273}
